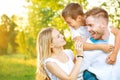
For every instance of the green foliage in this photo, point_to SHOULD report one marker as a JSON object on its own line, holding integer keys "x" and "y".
{"x": 8, "y": 35}
{"x": 113, "y": 8}
{"x": 44, "y": 14}
{"x": 15, "y": 67}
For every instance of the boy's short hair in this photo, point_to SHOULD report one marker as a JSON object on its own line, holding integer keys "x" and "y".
{"x": 72, "y": 10}
{"x": 97, "y": 12}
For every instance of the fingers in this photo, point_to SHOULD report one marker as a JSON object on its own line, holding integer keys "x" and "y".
{"x": 110, "y": 48}
{"x": 110, "y": 61}
{"x": 77, "y": 38}
{"x": 78, "y": 45}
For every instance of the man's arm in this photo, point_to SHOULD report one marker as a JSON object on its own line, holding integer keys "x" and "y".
{"x": 111, "y": 59}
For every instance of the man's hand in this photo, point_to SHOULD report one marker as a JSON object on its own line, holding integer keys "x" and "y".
{"x": 111, "y": 59}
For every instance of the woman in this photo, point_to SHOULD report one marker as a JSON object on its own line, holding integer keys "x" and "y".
{"x": 53, "y": 61}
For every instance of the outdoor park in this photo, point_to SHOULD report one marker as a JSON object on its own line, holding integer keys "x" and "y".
{"x": 20, "y": 23}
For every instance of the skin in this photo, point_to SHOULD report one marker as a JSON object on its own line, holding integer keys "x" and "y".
{"x": 99, "y": 30}
{"x": 76, "y": 23}
{"x": 57, "y": 47}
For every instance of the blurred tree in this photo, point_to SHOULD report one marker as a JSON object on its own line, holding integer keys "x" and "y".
{"x": 4, "y": 33}
{"x": 12, "y": 34}
{"x": 113, "y": 8}
{"x": 8, "y": 33}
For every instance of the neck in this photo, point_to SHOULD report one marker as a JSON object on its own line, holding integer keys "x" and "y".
{"x": 57, "y": 50}
{"x": 106, "y": 34}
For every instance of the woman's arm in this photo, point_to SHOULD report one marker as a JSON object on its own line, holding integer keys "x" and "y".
{"x": 58, "y": 72}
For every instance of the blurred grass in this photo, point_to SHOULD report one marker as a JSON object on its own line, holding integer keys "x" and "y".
{"x": 17, "y": 67}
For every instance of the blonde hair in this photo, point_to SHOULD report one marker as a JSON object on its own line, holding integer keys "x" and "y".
{"x": 44, "y": 40}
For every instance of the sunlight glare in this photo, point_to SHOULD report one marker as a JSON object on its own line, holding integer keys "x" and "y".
{"x": 95, "y": 2}
{"x": 11, "y": 7}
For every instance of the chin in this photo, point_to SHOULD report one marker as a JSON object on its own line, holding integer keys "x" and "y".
{"x": 64, "y": 43}
{"x": 97, "y": 38}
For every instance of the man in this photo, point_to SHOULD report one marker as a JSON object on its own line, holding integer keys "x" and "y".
{"x": 96, "y": 61}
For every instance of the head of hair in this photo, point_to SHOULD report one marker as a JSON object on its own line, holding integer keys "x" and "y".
{"x": 97, "y": 13}
{"x": 44, "y": 40}
{"x": 72, "y": 10}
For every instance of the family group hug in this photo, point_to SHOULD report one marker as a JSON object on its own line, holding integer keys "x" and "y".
{"x": 96, "y": 44}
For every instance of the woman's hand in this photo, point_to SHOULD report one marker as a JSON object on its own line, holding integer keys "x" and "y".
{"x": 79, "y": 47}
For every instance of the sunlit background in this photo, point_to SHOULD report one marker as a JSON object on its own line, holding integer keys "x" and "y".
{"x": 20, "y": 23}
{"x": 11, "y": 7}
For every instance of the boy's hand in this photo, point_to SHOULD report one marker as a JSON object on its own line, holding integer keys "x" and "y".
{"x": 107, "y": 48}
{"x": 111, "y": 59}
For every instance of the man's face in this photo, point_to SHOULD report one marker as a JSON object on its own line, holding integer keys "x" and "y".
{"x": 94, "y": 27}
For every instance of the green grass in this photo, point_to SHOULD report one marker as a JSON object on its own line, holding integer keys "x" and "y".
{"x": 16, "y": 67}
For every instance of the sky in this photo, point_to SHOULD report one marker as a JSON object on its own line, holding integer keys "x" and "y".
{"x": 11, "y": 7}
{"x": 95, "y": 2}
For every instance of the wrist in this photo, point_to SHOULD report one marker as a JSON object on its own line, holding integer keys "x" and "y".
{"x": 79, "y": 57}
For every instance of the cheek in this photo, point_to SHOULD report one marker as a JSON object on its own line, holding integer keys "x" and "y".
{"x": 62, "y": 42}
{"x": 95, "y": 29}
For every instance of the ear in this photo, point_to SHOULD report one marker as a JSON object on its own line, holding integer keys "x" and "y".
{"x": 79, "y": 17}
{"x": 103, "y": 22}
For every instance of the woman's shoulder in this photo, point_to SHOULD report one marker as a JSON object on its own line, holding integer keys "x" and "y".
{"x": 68, "y": 50}
{"x": 69, "y": 53}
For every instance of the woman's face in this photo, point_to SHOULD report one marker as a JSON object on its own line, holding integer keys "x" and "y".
{"x": 57, "y": 39}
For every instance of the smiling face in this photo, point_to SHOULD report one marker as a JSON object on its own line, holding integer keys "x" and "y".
{"x": 57, "y": 39}
{"x": 95, "y": 27}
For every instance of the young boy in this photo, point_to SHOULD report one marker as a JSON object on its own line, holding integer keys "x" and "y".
{"x": 74, "y": 17}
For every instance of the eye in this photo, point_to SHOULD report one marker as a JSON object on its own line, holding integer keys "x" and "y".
{"x": 90, "y": 25}
{"x": 58, "y": 36}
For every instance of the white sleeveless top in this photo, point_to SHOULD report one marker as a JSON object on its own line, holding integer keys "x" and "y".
{"x": 66, "y": 67}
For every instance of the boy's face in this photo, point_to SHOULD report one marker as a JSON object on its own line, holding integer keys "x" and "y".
{"x": 74, "y": 23}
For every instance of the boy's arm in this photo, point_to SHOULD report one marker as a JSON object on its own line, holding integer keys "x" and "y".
{"x": 111, "y": 59}
{"x": 104, "y": 47}
{"x": 88, "y": 46}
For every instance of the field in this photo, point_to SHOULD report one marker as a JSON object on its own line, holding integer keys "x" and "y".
{"x": 17, "y": 67}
